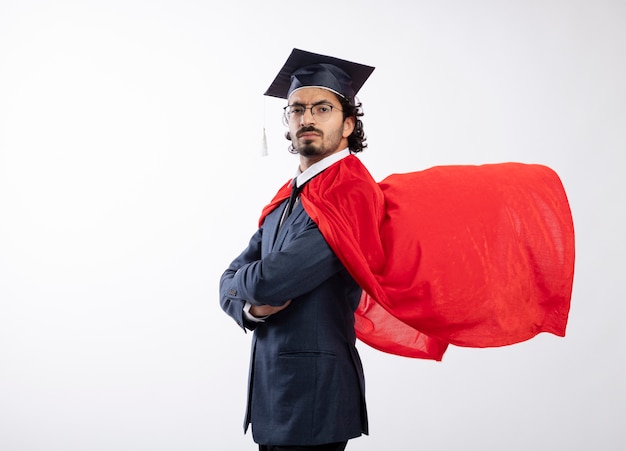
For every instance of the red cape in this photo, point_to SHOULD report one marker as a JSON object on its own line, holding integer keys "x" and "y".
{"x": 475, "y": 256}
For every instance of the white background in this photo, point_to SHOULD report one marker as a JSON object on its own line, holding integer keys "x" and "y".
{"x": 131, "y": 174}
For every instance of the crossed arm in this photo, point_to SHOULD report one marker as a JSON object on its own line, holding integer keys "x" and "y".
{"x": 271, "y": 281}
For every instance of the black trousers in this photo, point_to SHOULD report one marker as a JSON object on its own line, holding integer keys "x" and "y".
{"x": 340, "y": 446}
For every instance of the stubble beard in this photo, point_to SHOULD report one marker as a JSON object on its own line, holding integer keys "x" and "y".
{"x": 308, "y": 149}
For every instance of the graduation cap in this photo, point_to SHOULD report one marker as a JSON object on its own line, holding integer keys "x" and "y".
{"x": 305, "y": 69}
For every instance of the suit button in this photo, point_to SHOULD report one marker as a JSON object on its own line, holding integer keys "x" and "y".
{"x": 232, "y": 292}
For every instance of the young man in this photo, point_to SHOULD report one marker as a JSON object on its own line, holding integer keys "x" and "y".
{"x": 306, "y": 385}
{"x": 475, "y": 256}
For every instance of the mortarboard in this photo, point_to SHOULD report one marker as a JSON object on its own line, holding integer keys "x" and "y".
{"x": 306, "y": 69}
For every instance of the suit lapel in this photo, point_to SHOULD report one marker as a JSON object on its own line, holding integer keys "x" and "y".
{"x": 280, "y": 232}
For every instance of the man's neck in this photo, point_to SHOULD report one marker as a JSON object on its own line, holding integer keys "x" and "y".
{"x": 319, "y": 166}
{"x": 306, "y": 161}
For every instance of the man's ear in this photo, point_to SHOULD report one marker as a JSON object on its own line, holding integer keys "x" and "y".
{"x": 348, "y": 126}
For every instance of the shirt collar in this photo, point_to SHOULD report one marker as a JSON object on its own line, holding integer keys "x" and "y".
{"x": 316, "y": 168}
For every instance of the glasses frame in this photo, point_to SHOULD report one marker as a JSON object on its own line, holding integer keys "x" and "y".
{"x": 288, "y": 116}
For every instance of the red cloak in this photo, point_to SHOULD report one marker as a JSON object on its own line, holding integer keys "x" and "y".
{"x": 475, "y": 256}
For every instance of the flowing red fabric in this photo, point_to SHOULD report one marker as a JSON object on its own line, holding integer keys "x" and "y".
{"x": 475, "y": 256}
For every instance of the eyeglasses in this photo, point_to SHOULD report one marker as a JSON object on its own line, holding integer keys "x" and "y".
{"x": 321, "y": 111}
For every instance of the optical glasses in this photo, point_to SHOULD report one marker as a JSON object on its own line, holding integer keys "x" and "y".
{"x": 321, "y": 111}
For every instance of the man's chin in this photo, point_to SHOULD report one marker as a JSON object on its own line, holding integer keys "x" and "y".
{"x": 308, "y": 150}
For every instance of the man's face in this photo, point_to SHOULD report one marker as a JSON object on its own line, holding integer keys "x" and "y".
{"x": 314, "y": 139}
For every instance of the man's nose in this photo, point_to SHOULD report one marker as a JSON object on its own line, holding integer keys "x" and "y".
{"x": 307, "y": 117}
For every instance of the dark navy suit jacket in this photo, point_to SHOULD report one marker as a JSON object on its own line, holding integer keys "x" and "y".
{"x": 306, "y": 384}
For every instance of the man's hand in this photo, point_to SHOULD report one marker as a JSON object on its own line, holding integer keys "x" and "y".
{"x": 261, "y": 311}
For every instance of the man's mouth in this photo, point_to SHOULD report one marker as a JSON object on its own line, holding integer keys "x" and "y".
{"x": 308, "y": 133}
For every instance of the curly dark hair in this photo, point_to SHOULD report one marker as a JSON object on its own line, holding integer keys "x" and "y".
{"x": 356, "y": 140}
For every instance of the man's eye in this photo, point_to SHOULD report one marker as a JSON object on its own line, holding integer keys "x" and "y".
{"x": 323, "y": 109}
{"x": 296, "y": 110}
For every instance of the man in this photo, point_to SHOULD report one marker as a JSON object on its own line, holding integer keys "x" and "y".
{"x": 476, "y": 256}
{"x": 306, "y": 383}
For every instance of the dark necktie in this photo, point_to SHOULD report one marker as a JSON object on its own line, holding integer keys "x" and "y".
{"x": 295, "y": 191}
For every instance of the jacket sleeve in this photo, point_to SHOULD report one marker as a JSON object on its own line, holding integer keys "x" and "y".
{"x": 303, "y": 263}
{"x": 229, "y": 301}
